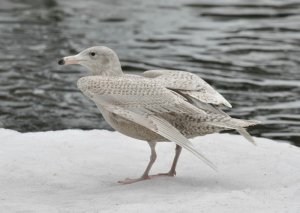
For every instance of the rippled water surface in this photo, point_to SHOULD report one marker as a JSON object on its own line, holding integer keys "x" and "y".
{"x": 248, "y": 50}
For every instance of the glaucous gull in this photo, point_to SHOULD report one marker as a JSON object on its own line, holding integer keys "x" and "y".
{"x": 160, "y": 105}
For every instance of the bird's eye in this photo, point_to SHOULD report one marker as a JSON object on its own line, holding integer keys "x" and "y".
{"x": 92, "y": 53}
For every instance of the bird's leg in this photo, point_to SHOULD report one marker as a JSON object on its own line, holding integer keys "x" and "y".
{"x": 172, "y": 171}
{"x": 145, "y": 175}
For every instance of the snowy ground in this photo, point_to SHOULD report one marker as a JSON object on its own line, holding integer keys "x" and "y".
{"x": 77, "y": 171}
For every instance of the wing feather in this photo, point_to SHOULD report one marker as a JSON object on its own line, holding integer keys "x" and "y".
{"x": 144, "y": 94}
{"x": 189, "y": 85}
{"x": 161, "y": 127}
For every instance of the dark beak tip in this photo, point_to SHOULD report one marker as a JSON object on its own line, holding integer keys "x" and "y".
{"x": 61, "y": 61}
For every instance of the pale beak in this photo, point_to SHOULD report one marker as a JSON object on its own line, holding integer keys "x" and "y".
{"x": 74, "y": 59}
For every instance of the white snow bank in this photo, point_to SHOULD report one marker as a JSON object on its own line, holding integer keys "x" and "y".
{"x": 77, "y": 171}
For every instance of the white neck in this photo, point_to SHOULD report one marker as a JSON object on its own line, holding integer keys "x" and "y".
{"x": 111, "y": 68}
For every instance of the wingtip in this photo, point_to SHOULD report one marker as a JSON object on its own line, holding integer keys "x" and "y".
{"x": 246, "y": 135}
{"x": 226, "y": 103}
{"x": 205, "y": 159}
{"x": 252, "y": 141}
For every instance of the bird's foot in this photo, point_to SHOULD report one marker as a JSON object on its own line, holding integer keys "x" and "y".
{"x": 130, "y": 180}
{"x": 147, "y": 177}
{"x": 169, "y": 174}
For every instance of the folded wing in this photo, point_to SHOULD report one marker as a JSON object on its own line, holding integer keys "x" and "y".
{"x": 141, "y": 95}
{"x": 199, "y": 93}
{"x": 190, "y": 86}
{"x": 140, "y": 101}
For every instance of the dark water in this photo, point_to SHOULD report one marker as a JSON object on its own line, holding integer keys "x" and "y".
{"x": 248, "y": 50}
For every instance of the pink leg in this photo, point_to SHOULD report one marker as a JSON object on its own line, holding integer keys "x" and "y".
{"x": 145, "y": 176}
{"x": 172, "y": 171}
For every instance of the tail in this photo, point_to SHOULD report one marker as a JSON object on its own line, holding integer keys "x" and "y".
{"x": 243, "y": 123}
{"x": 239, "y": 125}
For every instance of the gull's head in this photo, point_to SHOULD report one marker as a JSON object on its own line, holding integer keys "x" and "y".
{"x": 99, "y": 60}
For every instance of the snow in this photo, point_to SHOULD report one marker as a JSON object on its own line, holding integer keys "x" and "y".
{"x": 77, "y": 171}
